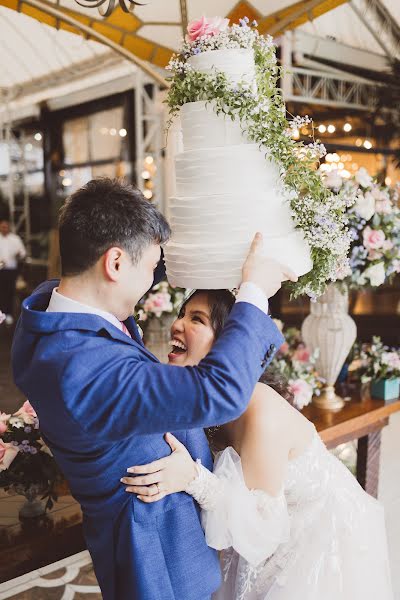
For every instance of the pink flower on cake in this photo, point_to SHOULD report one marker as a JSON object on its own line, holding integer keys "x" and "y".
{"x": 203, "y": 27}
{"x": 7, "y": 454}
{"x": 3, "y": 422}
{"x": 302, "y": 392}
{"x": 373, "y": 238}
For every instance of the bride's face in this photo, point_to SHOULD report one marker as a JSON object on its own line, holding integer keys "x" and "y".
{"x": 192, "y": 335}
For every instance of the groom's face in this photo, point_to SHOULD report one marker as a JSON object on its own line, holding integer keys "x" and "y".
{"x": 136, "y": 279}
{"x": 192, "y": 335}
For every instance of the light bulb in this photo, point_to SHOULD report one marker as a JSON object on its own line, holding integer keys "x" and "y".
{"x": 322, "y": 128}
{"x": 347, "y": 127}
{"x": 331, "y": 129}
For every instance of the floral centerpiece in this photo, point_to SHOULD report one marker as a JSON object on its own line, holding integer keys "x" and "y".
{"x": 27, "y": 466}
{"x": 161, "y": 300}
{"x": 296, "y": 364}
{"x": 155, "y": 313}
{"x": 374, "y": 225}
{"x": 375, "y": 361}
{"x": 261, "y": 112}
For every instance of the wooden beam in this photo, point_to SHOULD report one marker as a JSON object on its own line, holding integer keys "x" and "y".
{"x": 296, "y": 14}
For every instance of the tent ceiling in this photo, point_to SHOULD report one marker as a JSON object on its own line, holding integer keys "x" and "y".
{"x": 34, "y": 48}
{"x": 153, "y": 31}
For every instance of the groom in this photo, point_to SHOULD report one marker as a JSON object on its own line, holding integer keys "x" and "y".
{"x": 104, "y": 401}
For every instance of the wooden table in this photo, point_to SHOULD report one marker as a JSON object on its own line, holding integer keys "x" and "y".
{"x": 361, "y": 420}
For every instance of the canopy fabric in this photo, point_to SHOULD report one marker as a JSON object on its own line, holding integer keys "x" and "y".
{"x": 152, "y": 32}
{"x": 32, "y": 47}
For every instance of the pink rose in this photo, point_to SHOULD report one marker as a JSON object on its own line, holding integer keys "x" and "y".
{"x": 302, "y": 392}
{"x": 302, "y": 354}
{"x": 7, "y": 454}
{"x": 284, "y": 349}
{"x": 27, "y": 413}
{"x": 204, "y": 26}
{"x": 373, "y": 238}
{"x": 3, "y": 422}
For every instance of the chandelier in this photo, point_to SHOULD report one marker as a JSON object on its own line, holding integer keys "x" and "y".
{"x": 106, "y": 7}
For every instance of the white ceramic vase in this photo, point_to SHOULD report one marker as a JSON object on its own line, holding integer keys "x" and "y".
{"x": 330, "y": 329}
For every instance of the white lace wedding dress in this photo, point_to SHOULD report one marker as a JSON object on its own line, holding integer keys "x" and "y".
{"x": 322, "y": 538}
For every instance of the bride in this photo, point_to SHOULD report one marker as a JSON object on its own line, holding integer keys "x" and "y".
{"x": 290, "y": 519}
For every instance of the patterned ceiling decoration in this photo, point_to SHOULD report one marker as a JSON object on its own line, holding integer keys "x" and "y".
{"x": 153, "y": 31}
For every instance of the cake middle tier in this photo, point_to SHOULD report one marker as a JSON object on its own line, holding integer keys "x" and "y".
{"x": 227, "y": 170}
{"x": 200, "y": 219}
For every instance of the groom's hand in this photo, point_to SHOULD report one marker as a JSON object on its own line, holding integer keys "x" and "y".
{"x": 266, "y": 273}
{"x": 164, "y": 476}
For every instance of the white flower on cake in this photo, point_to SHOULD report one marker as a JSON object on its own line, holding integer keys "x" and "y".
{"x": 241, "y": 170}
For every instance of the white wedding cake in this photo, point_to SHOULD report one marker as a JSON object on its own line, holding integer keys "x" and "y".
{"x": 226, "y": 191}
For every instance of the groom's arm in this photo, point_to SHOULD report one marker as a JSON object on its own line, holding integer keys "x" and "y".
{"x": 128, "y": 395}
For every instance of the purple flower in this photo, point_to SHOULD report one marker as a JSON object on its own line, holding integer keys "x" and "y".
{"x": 33, "y": 450}
{"x": 27, "y": 429}
{"x": 25, "y": 442}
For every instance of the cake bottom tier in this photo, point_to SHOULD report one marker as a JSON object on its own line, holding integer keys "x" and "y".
{"x": 219, "y": 265}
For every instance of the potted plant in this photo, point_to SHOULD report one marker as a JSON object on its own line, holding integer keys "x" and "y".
{"x": 379, "y": 366}
{"x": 27, "y": 466}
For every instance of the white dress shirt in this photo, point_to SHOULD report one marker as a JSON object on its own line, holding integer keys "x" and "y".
{"x": 248, "y": 292}
{"x": 11, "y": 248}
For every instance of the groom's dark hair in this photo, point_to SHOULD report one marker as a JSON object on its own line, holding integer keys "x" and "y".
{"x": 106, "y": 213}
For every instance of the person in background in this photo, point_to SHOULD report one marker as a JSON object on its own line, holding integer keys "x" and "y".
{"x": 12, "y": 250}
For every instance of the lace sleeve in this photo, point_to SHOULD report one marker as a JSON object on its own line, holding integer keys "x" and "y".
{"x": 250, "y": 521}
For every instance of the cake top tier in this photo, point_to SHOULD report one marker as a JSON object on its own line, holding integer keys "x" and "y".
{"x": 237, "y": 64}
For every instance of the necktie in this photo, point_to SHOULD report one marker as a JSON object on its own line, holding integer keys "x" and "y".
{"x": 125, "y": 329}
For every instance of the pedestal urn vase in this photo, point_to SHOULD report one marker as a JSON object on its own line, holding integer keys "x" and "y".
{"x": 330, "y": 329}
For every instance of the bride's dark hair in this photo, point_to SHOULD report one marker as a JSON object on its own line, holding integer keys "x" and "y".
{"x": 220, "y": 303}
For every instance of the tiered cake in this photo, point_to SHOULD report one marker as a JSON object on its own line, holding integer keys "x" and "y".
{"x": 226, "y": 191}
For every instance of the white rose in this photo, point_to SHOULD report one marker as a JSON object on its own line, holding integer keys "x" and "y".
{"x": 365, "y": 206}
{"x": 363, "y": 178}
{"x": 376, "y": 274}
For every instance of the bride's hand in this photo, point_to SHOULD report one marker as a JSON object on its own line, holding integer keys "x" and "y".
{"x": 164, "y": 476}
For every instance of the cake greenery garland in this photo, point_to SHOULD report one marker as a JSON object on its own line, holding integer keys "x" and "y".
{"x": 262, "y": 114}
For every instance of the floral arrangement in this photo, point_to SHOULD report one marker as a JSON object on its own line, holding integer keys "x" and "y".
{"x": 320, "y": 214}
{"x": 296, "y": 364}
{"x": 375, "y": 361}
{"x": 374, "y": 226}
{"x": 160, "y": 300}
{"x": 25, "y": 459}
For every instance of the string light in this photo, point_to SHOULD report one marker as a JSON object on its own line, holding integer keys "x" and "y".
{"x": 296, "y": 134}
{"x": 322, "y": 128}
{"x": 358, "y": 142}
{"x": 122, "y": 132}
{"x": 149, "y": 160}
{"x": 38, "y": 136}
{"x": 367, "y": 144}
{"x": 148, "y": 194}
{"x": 113, "y": 131}
{"x": 331, "y": 129}
{"x": 145, "y": 175}
{"x": 347, "y": 127}
{"x": 67, "y": 182}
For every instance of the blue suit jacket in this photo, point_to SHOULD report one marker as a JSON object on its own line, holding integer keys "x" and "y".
{"x": 104, "y": 403}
